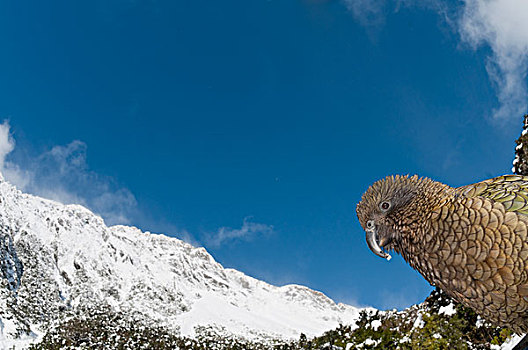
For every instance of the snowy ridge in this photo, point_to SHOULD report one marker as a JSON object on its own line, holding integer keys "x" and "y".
{"x": 56, "y": 257}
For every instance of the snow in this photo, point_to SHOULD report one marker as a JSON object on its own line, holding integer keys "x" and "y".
{"x": 375, "y": 324}
{"x": 163, "y": 279}
{"x": 19, "y": 343}
{"x": 260, "y": 313}
{"x": 370, "y": 342}
{"x": 7, "y": 326}
{"x": 405, "y": 339}
{"x": 510, "y": 343}
{"x": 419, "y": 322}
{"x": 448, "y": 310}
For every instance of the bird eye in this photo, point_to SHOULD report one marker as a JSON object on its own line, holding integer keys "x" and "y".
{"x": 370, "y": 224}
{"x": 384, "y": 206}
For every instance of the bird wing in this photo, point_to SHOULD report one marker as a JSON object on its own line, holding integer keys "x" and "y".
{"x": 509, "y": 190}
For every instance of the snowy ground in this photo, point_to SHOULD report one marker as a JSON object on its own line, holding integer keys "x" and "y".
{"x": 510, "y": 344}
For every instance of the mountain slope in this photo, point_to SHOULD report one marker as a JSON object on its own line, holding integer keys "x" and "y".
{"x": 56, "y": 258}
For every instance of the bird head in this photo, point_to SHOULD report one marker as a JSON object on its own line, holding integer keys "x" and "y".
{"x": 390, "y": 208}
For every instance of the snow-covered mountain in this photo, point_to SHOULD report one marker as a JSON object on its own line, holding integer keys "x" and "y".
{"x": 55, "y": 258}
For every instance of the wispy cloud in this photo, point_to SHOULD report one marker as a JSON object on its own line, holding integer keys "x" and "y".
{"x": 161, "y": 225}
{"x": 368, "y": 12}
{"x": 62, "y": 174}
{"x": 500, "y": 25}
{"x": 503, "y": 26}
{"x": 7, "y": 143}
{"x": 248, "y": 230}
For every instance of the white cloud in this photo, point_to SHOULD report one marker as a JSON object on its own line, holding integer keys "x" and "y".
{"x": 503, "y": 26}
{"x": 500, "y": 25}
{"x": 62, "y": 174}
{"x": 249, "y": 229}
{"x": 7, "y": 144}
{"x": 368, "y": 12}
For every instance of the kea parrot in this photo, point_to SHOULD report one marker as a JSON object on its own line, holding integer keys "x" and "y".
{"x": 470, "y": 241}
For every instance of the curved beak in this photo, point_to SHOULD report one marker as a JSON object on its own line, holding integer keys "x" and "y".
{"x": 372, "y": 242}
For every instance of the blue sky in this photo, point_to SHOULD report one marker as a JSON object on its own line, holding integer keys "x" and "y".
{"x": 253, "y": 127}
